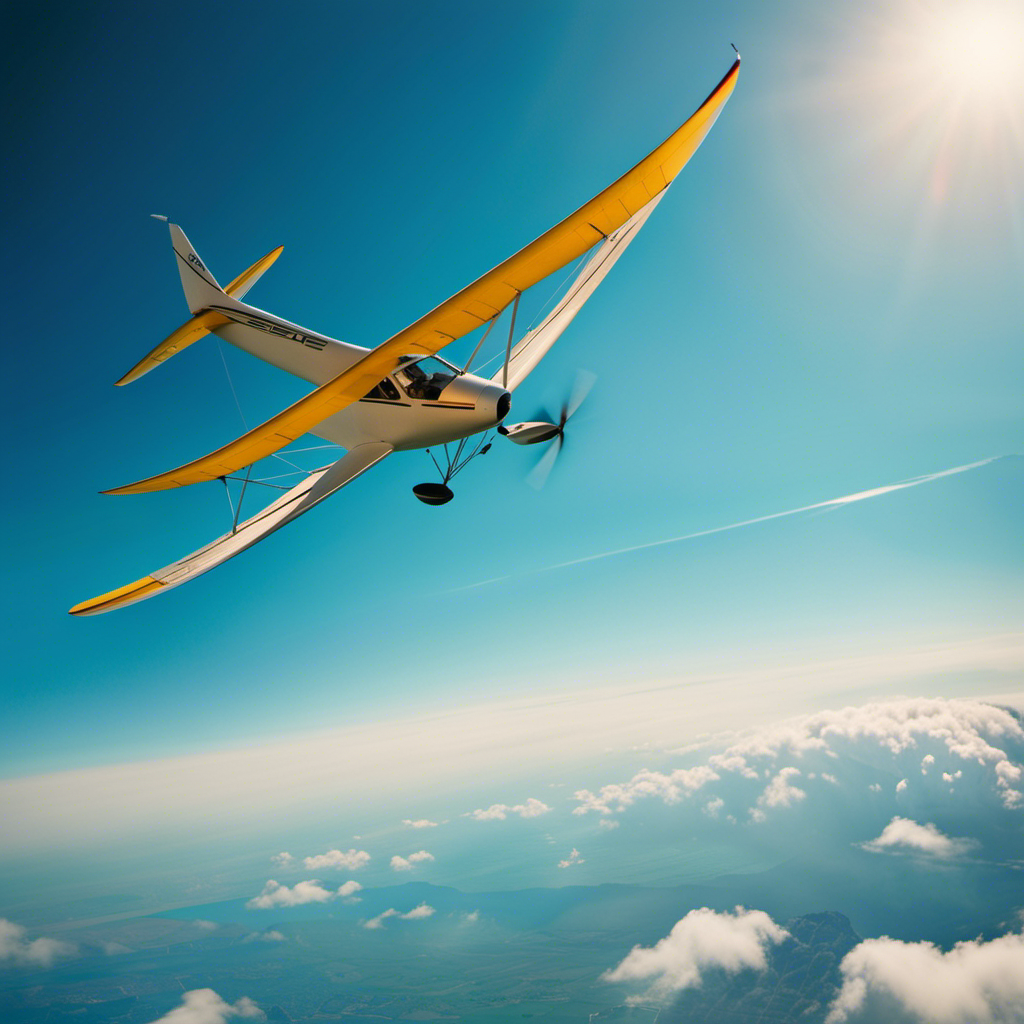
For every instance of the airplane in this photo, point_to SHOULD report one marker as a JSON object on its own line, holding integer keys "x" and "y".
{"x": 401, "y": 395}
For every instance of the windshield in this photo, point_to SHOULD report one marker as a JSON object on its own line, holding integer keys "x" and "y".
{"x": 425, "y": 379}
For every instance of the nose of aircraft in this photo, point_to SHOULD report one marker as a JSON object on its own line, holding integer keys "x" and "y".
{"x": 495, "y": 399}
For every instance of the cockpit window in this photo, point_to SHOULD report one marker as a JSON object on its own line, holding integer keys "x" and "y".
{"x": 385, "y": 390}
{"x": 425, "y": 379}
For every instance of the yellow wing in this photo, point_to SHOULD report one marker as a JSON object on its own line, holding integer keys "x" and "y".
{"x": 479, "y": 302}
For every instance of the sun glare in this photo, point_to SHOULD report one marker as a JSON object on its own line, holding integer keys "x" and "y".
{"x": 975, "y": 52}
{"x": 921, "y": 108}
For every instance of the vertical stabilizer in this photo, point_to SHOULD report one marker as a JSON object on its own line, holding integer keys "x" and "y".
{"x": 201, "y": 288}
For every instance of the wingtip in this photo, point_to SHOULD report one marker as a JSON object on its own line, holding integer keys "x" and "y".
{"x": 117, "y": 598}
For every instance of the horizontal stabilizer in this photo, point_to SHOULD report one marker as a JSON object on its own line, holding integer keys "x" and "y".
{"x": 198, "y": 327}
{"x": 202, "y": 323}
{"x": 300, "y": 499}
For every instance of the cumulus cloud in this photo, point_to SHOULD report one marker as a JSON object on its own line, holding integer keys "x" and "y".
{"x": 16, "y": 950}
{"x": 670, "y": 788}
{"x": 276, "y": 895}
{"x": 408, "y": 863}
{"x": 703, "y": 939}
{"x": 713, "y": 807}
{"x": 347, "y": 891}
{"x": 267, "y": 936}
{"x": 419, "y": 823}
{"x": 903, "y": 835}
{"x": 902, "y": 735}
{"x": 353, "y": 860}
{"x": 573, "y": 858}
{"x": 419, "y": 913}
{"x": 282, "y": 860}
{"x": 532, "y": 808}
{"x": 206, "y": 926}
{"x": 204, "y": 1006}
{"x": 974, "y": 983}
{"x": 607, "y": 824}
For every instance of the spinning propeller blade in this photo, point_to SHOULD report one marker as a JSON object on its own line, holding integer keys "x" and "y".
{"x": 538, "y": 476}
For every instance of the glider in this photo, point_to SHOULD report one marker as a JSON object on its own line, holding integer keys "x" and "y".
{"x": 400, "y": 395}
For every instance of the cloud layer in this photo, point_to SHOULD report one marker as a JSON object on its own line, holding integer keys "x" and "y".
{"x": 703, "y": 939}
{"x": 983, "y": 743}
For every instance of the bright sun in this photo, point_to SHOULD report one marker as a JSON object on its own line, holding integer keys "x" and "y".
{"x": 925, "y": 100}
{"x": 975, "y": 51}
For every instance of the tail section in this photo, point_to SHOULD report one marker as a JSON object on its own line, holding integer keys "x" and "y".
{"x": 201, "y": 290}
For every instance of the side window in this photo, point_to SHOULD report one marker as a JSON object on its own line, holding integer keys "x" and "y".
{"x": 385, "y": 390}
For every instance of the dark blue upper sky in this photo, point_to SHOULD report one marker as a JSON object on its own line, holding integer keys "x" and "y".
{"x": 828, "y": 300}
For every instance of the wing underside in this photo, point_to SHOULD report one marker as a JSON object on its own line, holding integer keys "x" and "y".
{"x": 300, "y": 499}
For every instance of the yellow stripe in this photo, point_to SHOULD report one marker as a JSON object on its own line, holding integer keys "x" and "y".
{"x": 116, "y": 598}
{"x": 460, "y": 314}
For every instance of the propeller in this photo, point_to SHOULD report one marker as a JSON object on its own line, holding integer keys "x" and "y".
{"x": 546, "y": 428}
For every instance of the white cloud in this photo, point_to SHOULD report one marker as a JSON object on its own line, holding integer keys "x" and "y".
{"x": 951, "y": 777}
{"x": 713, "y": 806}
{"x": 276, "y": 895}
{"x": 903, "y": 835}
{"x": 267, "y": 936}
{"x": 875, "y": 787}
{"x": 347, "y": 891}
{"x": 419, "y": 823}
{"x": 670, "y": 788}
{"x": 15, "y": 949}
{"x": 779, "y": 792}
{"x": 901, "y": 785}
{"x": 573, "y": 858}
{"x": 533, "y": 808}
{"x": 408, "y": 863}
{"x": 353, "y": 860}
{"x": 419, "y": 913}
{"x": 204, "y": 1006}
{"x": 926, "y": 762}
{"x": 1007, "y": 774}
{"x": 471, "y": 917}
{"x": 702, "y": 939}
{"x": 974, "y": 983}
{"x": 607, "y": 823}
{"x": 206, "y": 926}
{"x": 282, "y": 859}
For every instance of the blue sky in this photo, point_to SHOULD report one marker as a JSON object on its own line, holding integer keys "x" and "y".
{"x": 827, "y": 301}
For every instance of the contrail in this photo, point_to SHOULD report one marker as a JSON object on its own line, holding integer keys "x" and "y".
{"x": 846, "y": 499}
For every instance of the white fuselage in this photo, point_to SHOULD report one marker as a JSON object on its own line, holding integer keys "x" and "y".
{"x": 398, "y": 415}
